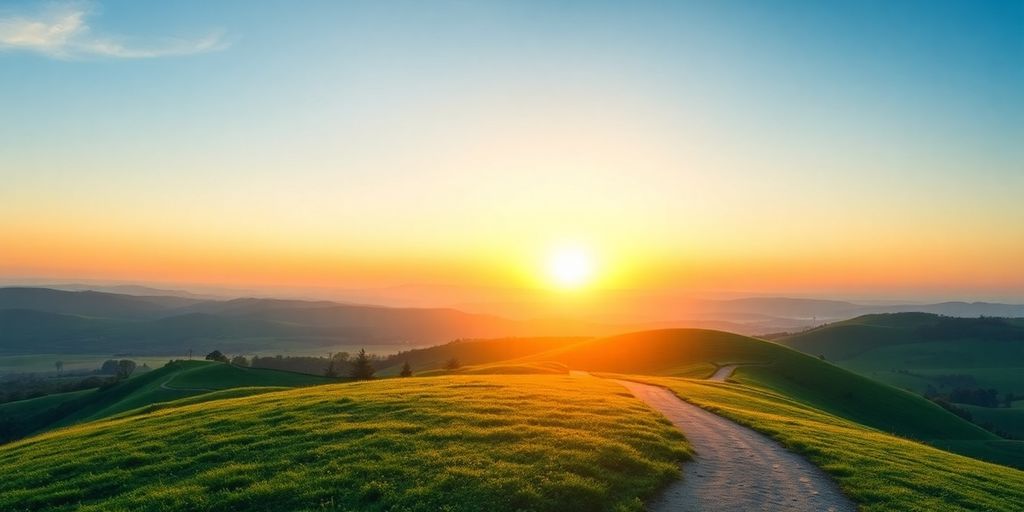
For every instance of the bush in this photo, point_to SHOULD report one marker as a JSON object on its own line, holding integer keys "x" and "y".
{"x": 216, "y": 356}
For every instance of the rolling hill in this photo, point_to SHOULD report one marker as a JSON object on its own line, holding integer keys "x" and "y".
{"x": 929, "y": 354}
{"x": 502, "y": 443}
{"x": 174, "y": 381}
{"x": 770, "y": 366}
{"x": 506, "y": 442}
{"x": 808, "y": 379}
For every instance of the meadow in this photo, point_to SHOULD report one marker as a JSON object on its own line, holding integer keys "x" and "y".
{"x": 515, "y": 434}
{"x": 881, "y": 472}
{"x": 930, "y": 354}
{"x": 173, "y": 381}
{"x": 423, "y": 444}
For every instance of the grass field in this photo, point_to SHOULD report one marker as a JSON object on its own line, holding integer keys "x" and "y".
{"x": 424, "y": 444}
{"x": 1008, "y": 419}
{"x": 815, "y": 382}
{"x": 915, "y": 350}
{"x": 504, "y": 369}
{"x": 879, "y": 471}
{"x": 470, "y": 353}
{"x": 171, "y": 382}
{"x": 920, "y": 352}
{"x": 503, "y": 435}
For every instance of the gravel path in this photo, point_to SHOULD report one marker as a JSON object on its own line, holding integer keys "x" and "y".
{"x": 723, "y": 372}
{"x": 735, "y": 468}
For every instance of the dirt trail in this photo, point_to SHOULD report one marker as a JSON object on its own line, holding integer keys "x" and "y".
{"x": 735, "y": 468}
{"x": 165, "y": 383}
{"x": 723, "y": 372}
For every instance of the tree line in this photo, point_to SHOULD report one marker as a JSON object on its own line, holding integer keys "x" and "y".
{"x": 361, "y": 366}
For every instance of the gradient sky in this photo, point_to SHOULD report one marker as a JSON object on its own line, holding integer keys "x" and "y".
{"x": 829, "y": 148}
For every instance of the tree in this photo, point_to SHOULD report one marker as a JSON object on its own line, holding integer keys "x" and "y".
{"x": 452, "y": 364}
{"x": 109, "y": 367}
{"x": 362, "y": 369}
{"x": 239, "y": 361}
{"x": 60, "y": 366}
{"x": 216, "y": 356}
{"x": 406, "y": 370}
{"x": 332, "y": 369}
{"x": 125, "y": 367}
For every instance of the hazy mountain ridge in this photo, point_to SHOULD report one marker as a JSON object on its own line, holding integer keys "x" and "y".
{"x": 46, "y": 320}
{"x": 42, "y": 320}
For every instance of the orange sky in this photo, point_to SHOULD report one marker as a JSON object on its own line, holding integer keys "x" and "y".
{"x": 687, "y": 149}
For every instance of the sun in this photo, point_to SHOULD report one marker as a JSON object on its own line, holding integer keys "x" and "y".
{"x": 570, "y": 267}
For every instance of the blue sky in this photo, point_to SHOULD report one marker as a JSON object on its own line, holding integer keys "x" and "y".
{"x": 502, "y": 125}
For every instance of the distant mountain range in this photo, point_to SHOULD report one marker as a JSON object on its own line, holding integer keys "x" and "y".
{"x": 42, "y": 320}
{"x": 45, "y": 320}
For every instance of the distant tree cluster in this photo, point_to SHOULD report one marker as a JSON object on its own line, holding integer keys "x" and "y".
{"x": 973, "y": 396}
{"x": 406, "y": 370}
{"x": 121, "y": 369}
{"x": 959, "y": 411}
{"x": 23, "y": 387}
{"x": 216, "y": 355}
{"x": 339, "y": 364}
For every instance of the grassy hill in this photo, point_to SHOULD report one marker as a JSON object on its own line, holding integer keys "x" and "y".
{"x": 446, "y": 443}
{"x": 174, "y": 381}
{"x": 808, "y": 379}
{"x": 471, "y": 352}
{"x": 506, "y": 442}
{"x": 881, "y": 472}
{"x": 802, "y": 378}
{"x": 926, "y": 353}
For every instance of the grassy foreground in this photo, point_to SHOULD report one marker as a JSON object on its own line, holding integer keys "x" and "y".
{"x": 509, "y": 442}
{"x": 879, "y": 471}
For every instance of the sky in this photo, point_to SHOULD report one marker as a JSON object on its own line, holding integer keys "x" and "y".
{"x": 818, "y": 148}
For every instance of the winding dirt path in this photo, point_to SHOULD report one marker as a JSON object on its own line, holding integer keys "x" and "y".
{"x": 164, "y": 385}
{"x": 735, "y": 468}
{"x": 723, "y": 372}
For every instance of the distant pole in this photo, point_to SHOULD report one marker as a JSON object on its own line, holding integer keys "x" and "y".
{"x": 189, "y": 354}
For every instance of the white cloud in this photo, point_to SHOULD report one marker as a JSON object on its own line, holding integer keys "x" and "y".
{"x": 63, "y": 33}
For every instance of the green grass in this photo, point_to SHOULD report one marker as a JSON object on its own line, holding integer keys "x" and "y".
{"x": 881, "y": 472}
{"x": 461, "y": 443}
{"x": 174, "y": 381}
{"x": 201, "y": 398}
{"x": 470, "y": 353}
{"x": 1010, "y": 420}
{"x": 504, "y": 369}
{"x": 808, "y": 379}
{"x": 887, "y": 347}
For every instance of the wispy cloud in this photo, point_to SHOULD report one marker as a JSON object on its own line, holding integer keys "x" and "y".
{"x": 62, "y": 32}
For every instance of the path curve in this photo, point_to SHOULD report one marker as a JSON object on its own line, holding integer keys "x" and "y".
{"x": 165, "y": 383}
{"x": 723, "y": 372}
{"x": 735, "y": 468}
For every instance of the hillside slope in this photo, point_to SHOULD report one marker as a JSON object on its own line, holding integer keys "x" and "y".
{"x": 969, "y": 361}
{"x": 881, "y": 472}
{"x": 174, "y": 381}
{"x": 808, "y": 379}
{"x": 500, "y": 443}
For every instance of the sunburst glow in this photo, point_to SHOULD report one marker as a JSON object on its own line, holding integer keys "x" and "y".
{"x": 570, "y": 267}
